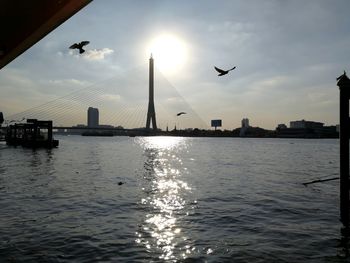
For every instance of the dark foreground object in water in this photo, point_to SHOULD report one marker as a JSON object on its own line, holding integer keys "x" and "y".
{"x": 33, "y": 134}
{"x": 344, "y": 128}
{"x": 321, "y": 181}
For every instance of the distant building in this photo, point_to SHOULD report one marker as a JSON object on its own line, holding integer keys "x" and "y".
{"x": 303, "y": 124}
{"x": 307, "y": 129}
{"x": 245, "y": 123}
{"x": 244, "y": 127}
{"x": 92, "y": 117}
{"x": 281, "y": 126}
{"x": 1, "y": 118}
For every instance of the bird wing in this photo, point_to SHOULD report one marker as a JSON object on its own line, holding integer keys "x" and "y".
{"x": 75, "y": 45}
{"x": 84, "y": 43}
{"x": 219, "y": 70}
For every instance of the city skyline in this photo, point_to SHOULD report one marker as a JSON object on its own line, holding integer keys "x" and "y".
{"x": 287, "y": 56}
{"x": 93, "y": 122}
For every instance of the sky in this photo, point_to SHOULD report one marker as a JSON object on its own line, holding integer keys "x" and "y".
{"x": 288, "y": 55}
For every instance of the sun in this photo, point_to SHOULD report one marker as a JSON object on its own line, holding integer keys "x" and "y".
{"x": 169, "y": 53}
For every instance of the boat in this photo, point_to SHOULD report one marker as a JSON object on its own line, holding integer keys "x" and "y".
{"x": 98, "y": 133}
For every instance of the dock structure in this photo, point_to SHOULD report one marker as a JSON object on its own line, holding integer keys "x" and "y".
{"x": 33, "y": 134}
{"x": 344, "y": 123}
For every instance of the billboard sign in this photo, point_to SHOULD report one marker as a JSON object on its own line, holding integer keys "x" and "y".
{"x": 216, "y": 123}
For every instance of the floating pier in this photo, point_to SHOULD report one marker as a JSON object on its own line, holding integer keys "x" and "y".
{"x": 32, "y": 134}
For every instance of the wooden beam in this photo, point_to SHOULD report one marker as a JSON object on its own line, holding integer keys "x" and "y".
{"x": 28, "y": 22}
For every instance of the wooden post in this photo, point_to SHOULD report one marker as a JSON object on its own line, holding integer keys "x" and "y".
{"x": 49, "y": 132}
{"x": 35, "y": 131}
{"x": 344, "y": 87}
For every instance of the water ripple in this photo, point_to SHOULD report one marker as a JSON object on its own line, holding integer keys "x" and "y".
{"x": 182, "y": 200}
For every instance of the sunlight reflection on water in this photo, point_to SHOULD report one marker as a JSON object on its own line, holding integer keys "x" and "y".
{"x": 187, "y": 200}
{"x": 164, "y": 198}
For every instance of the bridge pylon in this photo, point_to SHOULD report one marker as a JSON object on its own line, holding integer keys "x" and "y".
{"x": 151, "y": 113}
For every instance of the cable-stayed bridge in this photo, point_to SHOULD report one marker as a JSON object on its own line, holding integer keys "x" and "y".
{"x": 122, "y": 100}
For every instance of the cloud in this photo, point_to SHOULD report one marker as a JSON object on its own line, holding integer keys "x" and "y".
{"x": 111, "y": 97}
{"x": 17, "y": 85}
{"x": 69, "y": 82}
{"x": 97, "y": 54}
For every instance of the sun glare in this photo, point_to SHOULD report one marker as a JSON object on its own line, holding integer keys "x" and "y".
{"x": 169, "y": 53}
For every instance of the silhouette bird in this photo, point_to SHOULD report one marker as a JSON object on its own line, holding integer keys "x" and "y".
{"x": 180, "y": 113}
{"x": 338, "y": 78}
{"x": 79, "y": 46}
{"x": 223, "y": 72}
{"x": 120, "y": 183}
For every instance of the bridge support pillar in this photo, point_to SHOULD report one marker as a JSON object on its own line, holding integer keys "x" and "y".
{"x": 151, "y": 113}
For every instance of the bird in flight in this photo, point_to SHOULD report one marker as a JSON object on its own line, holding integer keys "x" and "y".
{"x": 223, "y": 72}
{"x": 80, "y": 46}
{"x": 180, "y": 113}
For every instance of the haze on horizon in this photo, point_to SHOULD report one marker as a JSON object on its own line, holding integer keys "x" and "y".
{"x": 288, "y": 55}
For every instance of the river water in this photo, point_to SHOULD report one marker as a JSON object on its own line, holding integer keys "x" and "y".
{"x": 171, "y": 199}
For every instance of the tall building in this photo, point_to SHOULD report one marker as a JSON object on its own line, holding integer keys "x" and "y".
{"x": 245, "y": 126}
{"x": 92, "y": 117}
{"x": 245, "y": 123}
